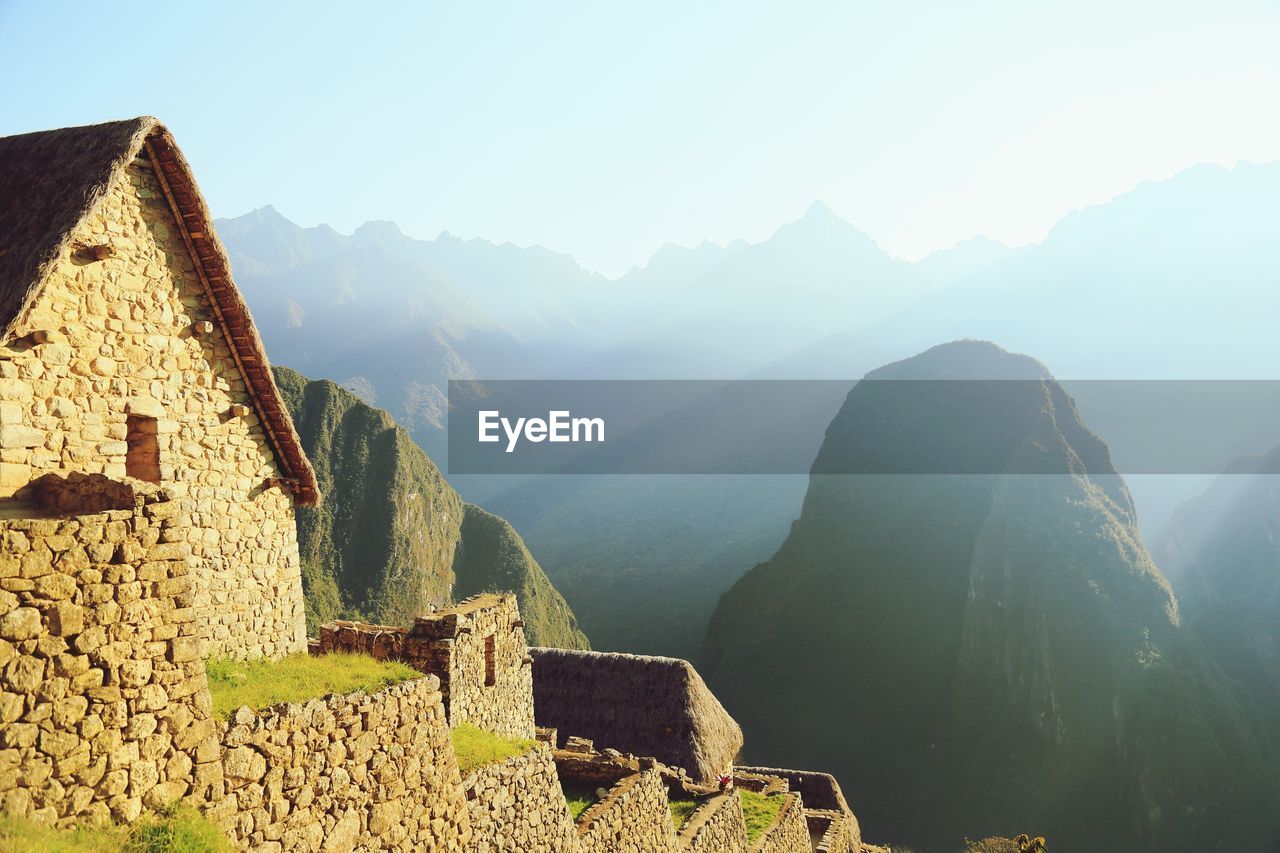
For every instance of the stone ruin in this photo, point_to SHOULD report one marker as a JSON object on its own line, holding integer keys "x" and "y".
{"x": 148, "y": 477}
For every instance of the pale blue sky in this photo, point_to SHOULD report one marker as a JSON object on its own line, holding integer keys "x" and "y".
{"x": 606, "y": 130}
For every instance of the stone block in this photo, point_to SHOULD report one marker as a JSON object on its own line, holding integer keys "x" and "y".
{"x": 14, "y": 475}
{"x": 185, "y": 649}
{"x": 243, "y": 765}
{"x": 145, "y": 406}
{"x": 15, "y": 435}
{"x": 21, "y": 624}
{"x": 56, "y": 586}
{"x": 65, "y": 619}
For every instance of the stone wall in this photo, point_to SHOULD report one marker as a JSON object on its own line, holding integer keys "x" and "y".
{"x": 357, "y": 771}
{"x": 581, "y": 762}
{"x": 836, "y": 831}
{"x": 819, "y": 790}
{"x": 790, "y": 833}
{"x": 519, "y": 806}
{"x": 823, "y": 800}
{"x": 113, "y": 365}
{"x": 104, "y": 706}
{"x": 633, "y": 818}
{"x": 717, "y": 827}
{"x": 477, "y": 650}
{"x": 489, "y": 677}
{"x": 641, "y": 704}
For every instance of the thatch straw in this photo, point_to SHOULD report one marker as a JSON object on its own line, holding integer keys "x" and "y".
{"x": 647, "y": 706}
{"x": 51, "y": 181}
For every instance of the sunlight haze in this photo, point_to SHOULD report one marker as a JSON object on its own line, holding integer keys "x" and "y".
{"x": 606, "y": 131}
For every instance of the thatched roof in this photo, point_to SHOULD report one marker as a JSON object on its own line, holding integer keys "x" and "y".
{"x": 52, "y": 180}
{"x": 647, "y": 706}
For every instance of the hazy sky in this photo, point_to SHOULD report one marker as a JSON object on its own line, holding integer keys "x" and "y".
{"x": 606, "y": 130}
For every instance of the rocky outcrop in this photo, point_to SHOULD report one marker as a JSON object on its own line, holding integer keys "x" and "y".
{"x": 972, "y": 635}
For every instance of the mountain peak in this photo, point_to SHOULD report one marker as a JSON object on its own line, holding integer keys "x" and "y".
{"x": 819, "y": 210}
{"x": 967, "y": 358}
{"x": 376, "y": 229}
{"x": 266, "y": 213}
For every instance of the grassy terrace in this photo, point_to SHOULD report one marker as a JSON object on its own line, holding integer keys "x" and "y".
{"x": 297, "y": 678}
{"x": 579, "y": 798}
{"x": 475, "y": 747}
{"x": 759, "y": 812}
{"x": 681, "y": 810}
{"x": 181, "y": 830}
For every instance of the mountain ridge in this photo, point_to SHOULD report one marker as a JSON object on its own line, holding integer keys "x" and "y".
{"x": 969, "y": 651}
{"x": 392, "y": 540}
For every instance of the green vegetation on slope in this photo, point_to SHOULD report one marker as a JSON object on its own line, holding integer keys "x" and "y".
{"x": 261, "y": 683}
{"x": 492, "y": 558}
{"x": 380, "y": 545}
{"x": 1222, "y": 552}
{"x": 670, "y": 545}
{"x": 474, "y": 747}
{"x": 387, "y": 543}
{"x": 179, "y": 829}
{"x": 991, "y": 647}
{"x": 759, "y": 812}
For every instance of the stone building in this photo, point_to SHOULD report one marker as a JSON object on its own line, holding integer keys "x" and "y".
{"x": 129, "y": 353}
{"x": 477, "y": 650}
{"x": 148, "y": 475}
{"x": 642, "y": 704}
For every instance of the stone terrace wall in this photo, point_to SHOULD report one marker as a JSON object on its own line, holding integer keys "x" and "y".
{"x": 819, "y": 790}
{"x": 104, "y": 706}
{"x": 840, "y": 832}
{"x": 454, "y": 645}
{"x": 357, "y": 771}
{"x": 120, "y": 345}
{"x": 717, "y": 827}
{"x": 790, "y": 833}
{"x": 580, "y": 762}
{"x": 823, "y": 800}
{"x": 519, "y": 806}
{"x": 633, "y": 818}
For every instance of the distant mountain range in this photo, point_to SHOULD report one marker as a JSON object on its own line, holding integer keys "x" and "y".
{"x": 1174, "y": 279}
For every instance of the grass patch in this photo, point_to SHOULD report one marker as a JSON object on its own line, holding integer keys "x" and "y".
{"x": 579, "y": 798}
{"x": 180, "y": 829}
{"x": 759, "y": 812}
{"x": 297, "y": 678}
{"x": 681, "y": 810}
{"x": 475, "y": 747}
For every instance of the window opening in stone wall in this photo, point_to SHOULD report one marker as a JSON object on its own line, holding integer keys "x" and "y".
{"x": 490, "y": 674}
{"x": 142, "y": 460}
